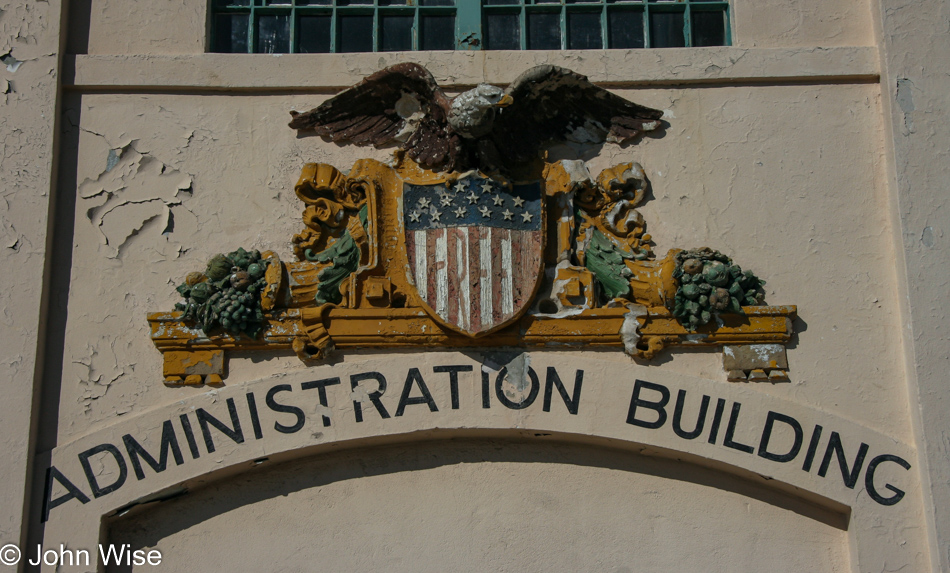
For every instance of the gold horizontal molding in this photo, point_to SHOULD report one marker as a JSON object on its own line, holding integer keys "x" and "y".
{"x": 413, "y": 328}
{"x": 333, "y": 72}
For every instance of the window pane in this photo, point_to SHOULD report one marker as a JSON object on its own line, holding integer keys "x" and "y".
{"x": 353, "y": 2}
{"x": 625, "y": 28}
{"x": 708, "y": 28}
{"x": 272, "y": 2}
{"x": 436, "y": 3}
{"x": 314, "y": 2}
{"x": 583, "y": 31}
{"x": 666, "y": 30}
{"x": 395, "y": 33}
{"x": 230, "y": 33}
{"x": 223, "y": 3}
{"x": 313, "y": 34}
{"x": 502, "y": 32}
{"x": 438, "y": 32}
{"x": 544, "y": 31}
{"x": 392, "y": 2}
{"x": 500, "y": 2}
{"x": 577, "y": 1}
{"x": 355, "y": 33}
{"x": 273, "y": 34}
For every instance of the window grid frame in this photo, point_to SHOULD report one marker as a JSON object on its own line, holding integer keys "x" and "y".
{"x": 469, "y": 19}
{"x": 644, "y": 7}
{"x": 333, "y": 11}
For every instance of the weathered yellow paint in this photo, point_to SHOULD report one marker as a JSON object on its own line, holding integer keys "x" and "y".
{"x": 193, "y": 367}
{"x": 274, "y": 275}
{"x": 412, "y": 327}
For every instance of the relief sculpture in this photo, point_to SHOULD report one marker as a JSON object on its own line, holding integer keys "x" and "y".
{"x": 470, "y": 237}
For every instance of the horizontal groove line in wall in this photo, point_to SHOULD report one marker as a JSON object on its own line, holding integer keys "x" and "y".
{"x": 461, "y": 70}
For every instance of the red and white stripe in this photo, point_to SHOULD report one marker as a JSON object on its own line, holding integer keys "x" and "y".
{"x": 474, "y": 277}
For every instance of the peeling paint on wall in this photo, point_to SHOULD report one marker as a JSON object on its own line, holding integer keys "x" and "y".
{"x": 135, "y": 192}
{"x": 28, "y": 90}
{"x": 10, "y": 62}
{"x": 9, "y": 237}
{"x": 905, "y": 100}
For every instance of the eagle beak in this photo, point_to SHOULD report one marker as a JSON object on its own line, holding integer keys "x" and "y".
{"x": 505, "y": 101}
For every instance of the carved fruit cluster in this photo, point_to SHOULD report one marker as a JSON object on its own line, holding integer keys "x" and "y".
{"x": 710, "y": 284}
{"x": 226, "y": 294}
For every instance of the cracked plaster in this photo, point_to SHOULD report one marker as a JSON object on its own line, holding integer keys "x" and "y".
{"x": 28, "y": 43}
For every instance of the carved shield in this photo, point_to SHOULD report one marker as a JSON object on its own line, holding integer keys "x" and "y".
{"x": 475, "y": 249}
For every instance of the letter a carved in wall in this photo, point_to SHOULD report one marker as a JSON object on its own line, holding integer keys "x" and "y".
{"x": 470, "y": 238}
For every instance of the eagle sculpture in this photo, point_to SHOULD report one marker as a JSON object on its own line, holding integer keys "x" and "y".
{"x": 483, "y": 127}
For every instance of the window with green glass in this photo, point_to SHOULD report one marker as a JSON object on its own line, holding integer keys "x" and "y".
{"x": 324, "y": 26}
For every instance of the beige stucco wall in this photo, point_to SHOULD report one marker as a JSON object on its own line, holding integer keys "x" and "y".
{"x": 918, "y": 96}
{"x": 794, "y": 151}
{"x": 29, "y": 34}
{"x": 506, "y": 506}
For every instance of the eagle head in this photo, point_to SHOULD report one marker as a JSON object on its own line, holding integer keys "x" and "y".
{"x": 473, "y": 112}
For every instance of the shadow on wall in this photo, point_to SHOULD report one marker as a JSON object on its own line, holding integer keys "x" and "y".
{"x": 79, "y": 18}
{"x": 484, "y": 505}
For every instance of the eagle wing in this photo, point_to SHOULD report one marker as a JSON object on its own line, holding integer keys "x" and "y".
{"x": 401, "y": 101}
{"x": 553, "y": 103}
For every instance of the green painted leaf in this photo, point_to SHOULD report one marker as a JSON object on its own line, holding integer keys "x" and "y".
{"x": 605, "y": 260}
{"x": 345, "y": 256}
